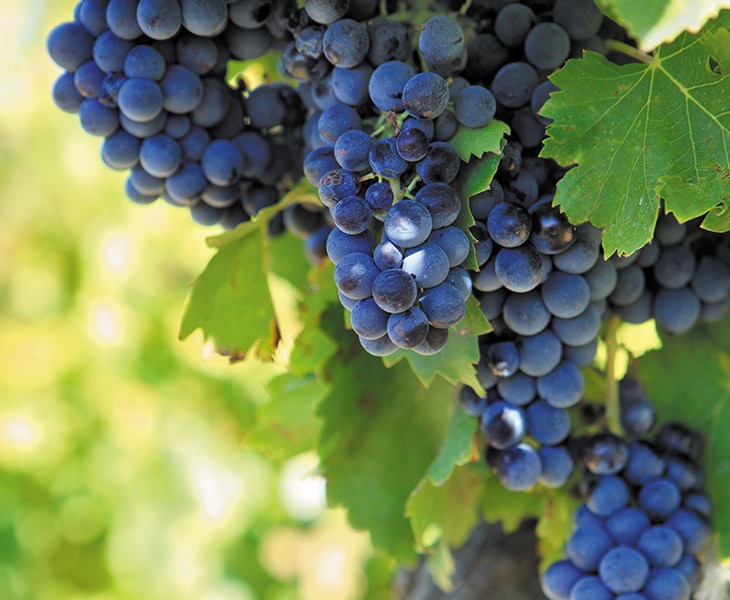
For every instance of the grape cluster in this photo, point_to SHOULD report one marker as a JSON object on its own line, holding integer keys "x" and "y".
{"x": 380, "y": 156}
{"x": 644, "y": 521}
{"x": 681, "y": 278}
{"x": 149, "y": 77}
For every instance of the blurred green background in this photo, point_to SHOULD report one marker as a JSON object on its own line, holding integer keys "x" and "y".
{"x": 123, "y": 466}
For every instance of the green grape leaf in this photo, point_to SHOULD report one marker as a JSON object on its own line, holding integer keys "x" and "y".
{"x": 469, "y": 142}
{"x": 381, "y": 432}
{"x": 314, "y": 346}
{"x": 446, "y": 512}
{"x": 698, "y": 393}
{"x": 441, "y": 507}
{"x": 555, "y": 525}
{"x": 474, "y": 177}
{"x": 246, "y": 296}
{"x": 231, "y": 300}
{"x": 640, "y": 132}
{"x": 511, "y": 508}
{"x": 458, "y": 447}
{"x": 286, "y": 425}
{"x": 654, "y": 22}
{"x": 455, "y": 363}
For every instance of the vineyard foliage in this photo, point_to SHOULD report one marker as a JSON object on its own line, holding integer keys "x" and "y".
{"x": 395, "y": 448}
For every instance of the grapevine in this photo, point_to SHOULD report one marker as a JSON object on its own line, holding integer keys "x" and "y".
{"x": 487, "y": 197}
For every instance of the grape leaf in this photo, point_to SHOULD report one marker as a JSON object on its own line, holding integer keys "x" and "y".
{"x": 555, "y": 525}
{"x": 641, "y": 131}
{"x": 455, "y": 363}
{"x": 474, "y": 178}
{"x": 654, "y": 22}
{"x": 447, "y": 512}
{"x": 469, "y": 142}
{"x": 698, "y": 393}
{"x": 231, "y": 300}
{"x": 286, "y": 426}
{"x": 458, "y": 447}
{"x": 381, "y": 432}
{"x": 441, "y": 507}
{"x": 511, "y": 508}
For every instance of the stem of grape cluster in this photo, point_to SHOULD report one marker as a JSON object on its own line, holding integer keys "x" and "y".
{"x": 613, "y": 407}
{"x": 628, "y": 50}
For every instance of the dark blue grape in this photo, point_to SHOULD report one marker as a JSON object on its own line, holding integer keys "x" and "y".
{"x": 627, "y": 525}
{"x": 408, "y": 329}
{"x": 352, "y": 215}
{"x": 514, "y": 84}
{"x": 443, "y": 304}
{"x": 547, "y": 424}
{"x": 547, "y": 46}
{"x": 441, "y": 164}
{"x": 346, "y": 43}
{"x": 222, "y": 162}
{"x": 539, "y": 354}
{"x": 159, "y": 19}
{"x": 586, "y": 547}
{"x": 69, "y": 45}
{"x": 381, "y": 347}
{"x": 441, "y": 40}
{"x": 623, "y": 570}
{"x": 454, "y": 242}
{"x": 387, "y": 83}
{"x": 428, "y": 264}
{"x": 408, "y": 224}
{"x": 607, "y": 496}
{"x": 379, "y": 196}
{"x": 88, "y": 79}
{"x": 65, "y": 94}
{"x": 503, "y": 425}
{"x": 340, "y": 244}
{"x": 389, "y": 40}
{"x": 519, "y": 269}
{"x": 605, "y": 454}
{"x": 368, "y": 320}
{"x": 474, "y": 106}
{"x": 412, "y": 144}
{"x": 394, "y": 291}
{"x": 355, "y": 274}
{"x": 509, "y": 224}
{"x": 518, "y": 467}
{"x": 120, "y": 150}
{"x": 326, "y": 11}
{"x": 97, "y": 119}
{"x": 526, "y": 314}
{"x": 512, "y": 24}
{"x": 425, "y": 95}
{"x": 384, "y": 159}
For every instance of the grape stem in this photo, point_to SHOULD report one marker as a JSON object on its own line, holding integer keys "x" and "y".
{"x": 623, "y": 48}
{"x": 613, "y": 408}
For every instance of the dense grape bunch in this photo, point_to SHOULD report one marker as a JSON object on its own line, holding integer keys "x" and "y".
{"x": 644, "y": 521}
{"x": 379, "y": 132}
{"x": 149, "y": 77}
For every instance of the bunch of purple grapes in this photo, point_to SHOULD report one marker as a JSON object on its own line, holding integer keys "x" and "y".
{"x": 643, "y": 524}
{"x": 380, "y": 156}
{"x": 149, "y": 76}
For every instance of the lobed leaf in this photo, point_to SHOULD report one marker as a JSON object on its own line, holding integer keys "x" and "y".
{"x": 639, "y": 132}
{"x": 381, "y": 432}
{"x": 654, "y": 22}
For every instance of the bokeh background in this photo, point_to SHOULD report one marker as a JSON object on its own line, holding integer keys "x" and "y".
{"x": 124, "y": 472}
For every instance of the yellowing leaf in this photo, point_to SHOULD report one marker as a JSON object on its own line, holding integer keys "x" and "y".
{"x": 654, "y": 22}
